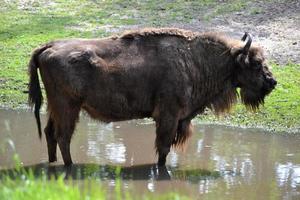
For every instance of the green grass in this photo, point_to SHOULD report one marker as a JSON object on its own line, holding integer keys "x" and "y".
{"x": 48, "y": 189}
{"x": 226, "y": 7}
{"x": 58, "y": 189}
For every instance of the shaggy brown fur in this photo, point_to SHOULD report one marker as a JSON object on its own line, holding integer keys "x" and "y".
{"x": 168, "y": 74}
{"x": 189, "y": 35}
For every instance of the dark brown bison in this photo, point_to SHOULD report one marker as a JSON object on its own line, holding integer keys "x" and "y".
{"x": 170, "y": 75}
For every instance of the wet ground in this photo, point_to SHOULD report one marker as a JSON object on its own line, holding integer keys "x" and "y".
{"x": 219, "y": 162}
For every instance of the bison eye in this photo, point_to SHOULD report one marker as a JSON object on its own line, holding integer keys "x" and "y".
{"x": 257, "y": 66}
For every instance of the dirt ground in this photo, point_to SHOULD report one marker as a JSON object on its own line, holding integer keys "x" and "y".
{"x": 275, "y": 25}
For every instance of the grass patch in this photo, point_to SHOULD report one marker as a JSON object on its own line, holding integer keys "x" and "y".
{"x": 43, "y": 189}
{"x": 222, "y": 8}
{"x": 58, "y": 189}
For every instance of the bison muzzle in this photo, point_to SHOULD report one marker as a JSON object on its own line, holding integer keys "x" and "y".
{"x": 168, "y": 74}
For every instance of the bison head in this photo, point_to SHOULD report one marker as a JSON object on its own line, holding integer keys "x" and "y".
{"x": 252, "y": 74}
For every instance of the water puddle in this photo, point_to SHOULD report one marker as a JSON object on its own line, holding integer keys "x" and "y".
{"x": 219, "y": 162}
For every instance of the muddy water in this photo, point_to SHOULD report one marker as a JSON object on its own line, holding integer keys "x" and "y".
{"x": 218, "y": 163}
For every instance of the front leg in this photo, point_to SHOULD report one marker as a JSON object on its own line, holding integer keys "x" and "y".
{"x": 166, "y": 126}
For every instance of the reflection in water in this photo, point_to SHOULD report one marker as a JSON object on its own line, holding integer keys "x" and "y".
{"x": 250, "y": 164}
{"x": 115, "y": 152}
{"x": 173, "y": 158}
{"x": 150, "y": 172}
{"x": 288, "y": 173}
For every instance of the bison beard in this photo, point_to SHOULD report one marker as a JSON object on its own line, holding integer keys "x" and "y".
{"x": 251, "y": 100}
{"x": 170, "y": 75}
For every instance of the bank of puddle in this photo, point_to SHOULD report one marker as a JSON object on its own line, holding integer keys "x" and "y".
{"x": 218, "y": 162}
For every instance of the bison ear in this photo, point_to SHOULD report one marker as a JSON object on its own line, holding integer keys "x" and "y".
{"x": 240, "y": 58}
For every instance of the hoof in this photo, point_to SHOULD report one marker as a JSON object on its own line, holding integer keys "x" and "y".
{"x": 68, "y": 164}
{"x": 54, "y": 159}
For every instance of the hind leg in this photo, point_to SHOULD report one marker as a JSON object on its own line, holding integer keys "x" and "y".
{"x": 64, "y": 132}
{"x": 65, "y": 113}
{"x": 51, "y": 140}
{"x": 64, "y": 141}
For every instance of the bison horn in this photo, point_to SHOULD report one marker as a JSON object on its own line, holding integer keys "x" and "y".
{"x": 245, "y": 36}
{"x": 248, "y": 44}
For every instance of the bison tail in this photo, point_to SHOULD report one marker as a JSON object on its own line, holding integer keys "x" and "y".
{"x": 35, "y": 97}
{"x": 184, "y": 132}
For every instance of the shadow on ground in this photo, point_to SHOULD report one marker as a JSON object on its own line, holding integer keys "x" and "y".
{"x": 107, "y": 172}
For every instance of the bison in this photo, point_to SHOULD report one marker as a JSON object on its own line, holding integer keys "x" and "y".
{"x": 167, "y": 74}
